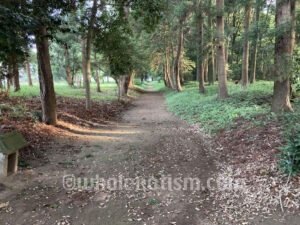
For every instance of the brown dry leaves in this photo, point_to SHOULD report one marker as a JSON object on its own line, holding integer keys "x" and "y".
{"x": 248, "y": 154}
{"x": 19, "y": 114}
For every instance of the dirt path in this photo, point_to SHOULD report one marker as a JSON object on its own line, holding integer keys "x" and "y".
{"x": 149, "y": 142}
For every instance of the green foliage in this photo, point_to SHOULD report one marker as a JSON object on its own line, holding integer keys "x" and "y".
{"x": 37, "y": 116}
{"x": 290, "y": 153}
{"x": 63, "y": 89}
{"x": 148, "y": 12}
{"x": 88, "y": 156}
{"x": 154, "y": 202}
{"x": 13, "y": 39}
{"x": 23, "y": 163}
{"x": 155, "y": 85}
{"x": 158, "y": 85}
{"x": 55, "y": 206}
{"x": 213, "y": 114}
{"x": 116, "y": 45}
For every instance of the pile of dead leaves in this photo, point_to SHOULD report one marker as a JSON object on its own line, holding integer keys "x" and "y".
{"x": 24, "y": 114}
{"x": 248, "y": 158}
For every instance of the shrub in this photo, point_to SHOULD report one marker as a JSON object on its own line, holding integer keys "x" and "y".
{"x": 290, "y": 153}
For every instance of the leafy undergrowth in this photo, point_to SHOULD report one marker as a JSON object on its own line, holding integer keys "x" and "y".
{"x": 213, "y": 114}
{"x": 24, "y": 114}
{"x": 245, "y": 138}
{"x": 109, "y": 91}
{"x": 154, "y": 85}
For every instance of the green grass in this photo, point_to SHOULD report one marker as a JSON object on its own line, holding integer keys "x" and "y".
{"x": 213, "y": 114}
{"x": 157, "y": 86}
{"x": 140, "y": 85}
{"x": 154, "y": 85}
{"x": 109, "y": 91}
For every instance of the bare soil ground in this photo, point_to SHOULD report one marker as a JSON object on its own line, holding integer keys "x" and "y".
{"x": 147, "y": 142}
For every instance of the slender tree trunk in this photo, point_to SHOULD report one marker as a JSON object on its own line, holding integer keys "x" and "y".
{"x": 97, "y": 75}
{"x": 83, "y": 53}
{"x": 16, "y": 75}
{"x": 206, "y": 70}
{"x": 177, "y": 61}
{"x": 166, "y": 81}
{"x": 284, "y": 46}
{"x": 87, "y": 56}
{"x": 126, "y": 84}
{"x": 211, "y": 56}
{"x": 45, "y": 78}
{"x": 28, "y": 73}
{"x": 179, "y": 53}
{"x": 221, "y": 67}
{"x": 211, "y": 68}
{"x": 119, "y": 88}
{"x": 181, "y": 71}
{"x": 131, "y": 80}
{"x": 98, "y": 81}
{"x": 170, "y": 67}
{"x": 255, "y": 48}
{"x": 294, "y": 5}
{"x": 200, "y": 61}
{"x": 78, "y": 81}
{"x": 245, "y": 64}
{"x": 9, "y": 75}
{"x": 68, "y": 69}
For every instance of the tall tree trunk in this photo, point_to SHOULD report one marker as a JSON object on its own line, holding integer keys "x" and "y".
{"x": 9, "y": 76}
{"x": 233, "y": 39}
{"x": 16, "y": 75}
{"x": 211, "y": 56}
{"x": 255, "y": 46}
{"x": 169, "y": 69}
{"x": 221, "y": 67}
{"x": 245, "y": 64}
{"x": 172, "y": 69}
{"x": 294, "y": 5}
{"x": 83, "y": 53}
{"x": 78, "y": 81}
{"x": 98, "y": 81}
{"x": 211, "y": 68}
{"x": 126, "y": 84}
{"x": 284, "y": 47}
{"x": 206, "y": 70}
{"x": 87, "y": 57}
{"x": 123, "y": 84}
{"x": 68, "y": 69}
{"x": 29, "y": 80}
{"x": 177, "y": 61}
{"x": 97, "y": 75}
{"x": 181, "y": 71}
{"x": 200, "y": 61}
{"x": 166, "y": 81}
{"x": 131, "y": 80}
{"x": 45, "y": 78}
{"x": 179, "y": 53}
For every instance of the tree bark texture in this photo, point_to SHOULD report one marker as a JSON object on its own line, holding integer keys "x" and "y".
{"x": 221, "y": 66}
{"x": 284, "y": 46}
{"x": 48, "y": 98}
{"x": 245, "y": 63}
